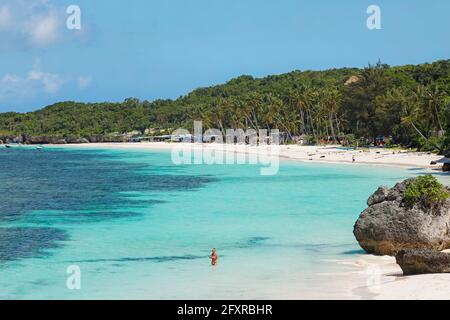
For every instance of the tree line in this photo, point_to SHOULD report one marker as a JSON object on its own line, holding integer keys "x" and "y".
{"x": 409, "y": 104}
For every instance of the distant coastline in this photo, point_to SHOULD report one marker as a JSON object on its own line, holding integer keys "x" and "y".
{"x": 400, "y": 106}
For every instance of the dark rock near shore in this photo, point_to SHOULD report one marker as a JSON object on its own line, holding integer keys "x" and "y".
{"x": 109, "y": 139}
{"x": 45, "y": 140}
{"x": 76, "y": 140}
{"x": 12, "y": 139}
{"x": 62, "y": 140}
{"x": 419, "y": 261}
{"x": 95, "y": 139}
{"x": 446, "y": 167}
{"x": 388, "y": 225}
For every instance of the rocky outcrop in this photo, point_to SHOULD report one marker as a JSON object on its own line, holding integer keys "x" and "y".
{"x": 108, "y": 138}
{"x": 45, "y": 140}
{"x": 72, "y": 139}
{"x": 388, "y": 225}
{"x": 419, "y": 261}
{"x": 63, "y": 140}
{"x": 95, "y": 139}
{"x": 12, "y": 139}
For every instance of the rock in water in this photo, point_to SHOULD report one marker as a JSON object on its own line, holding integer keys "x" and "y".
{"x": 388, "y": 225}
{"x": 419, "y": 261}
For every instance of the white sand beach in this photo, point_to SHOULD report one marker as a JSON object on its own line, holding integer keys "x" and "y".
{"x": 370, "y": 277}
{"x": 382, "y": 279}
{"x": 331, "y": 154}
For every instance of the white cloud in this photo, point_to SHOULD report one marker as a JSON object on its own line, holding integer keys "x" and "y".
{"x": 11, "y": 79}
{"x": 44, "y": 30}
{"x": 38, "y": 82}
{"x": 84, "y": 81}
{"x": 34, "y": 23}
{"x": 34, "y": 82}
{"x": 5, "y": 17}
{"x": 51, "y": 83}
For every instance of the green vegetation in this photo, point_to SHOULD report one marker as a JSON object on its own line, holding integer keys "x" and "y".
{"x": 409, "y": 104}
{"x": 427, "y": 191}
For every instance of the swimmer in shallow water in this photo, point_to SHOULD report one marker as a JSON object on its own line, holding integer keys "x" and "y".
{"x": 214, "y": 257}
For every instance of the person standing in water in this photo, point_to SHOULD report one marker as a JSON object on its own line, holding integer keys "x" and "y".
{"x": 214, "y": 257}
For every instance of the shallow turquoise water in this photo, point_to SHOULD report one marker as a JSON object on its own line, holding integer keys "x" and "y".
{"x": 141, "y": 228}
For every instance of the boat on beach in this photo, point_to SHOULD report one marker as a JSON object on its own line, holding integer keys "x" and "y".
{"x": 12, "y": 145}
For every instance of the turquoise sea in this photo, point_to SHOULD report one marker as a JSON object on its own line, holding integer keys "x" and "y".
{"x": 139, "y": 227}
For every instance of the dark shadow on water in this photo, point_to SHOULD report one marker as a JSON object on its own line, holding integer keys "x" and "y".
{"x": 157, "y": 259}
{"x": 440, "y": 173}
{"x": 251, "y": 242}
{"x": 78, "y": 217}
{"x": 21, "y": 243}
{"x": 79, "y": 180}
{"x": 262, "y": 241}
{"x": 434, "y": 172}
{"x": 353, "y": 252}
{"x": 74, "y": 187}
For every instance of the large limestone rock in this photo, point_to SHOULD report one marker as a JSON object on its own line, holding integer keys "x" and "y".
{"x": 419, "y": 261}
{"x": 388, "y": 225}
{"x": 45, "y": 140}
{"x": 72, "y": 139}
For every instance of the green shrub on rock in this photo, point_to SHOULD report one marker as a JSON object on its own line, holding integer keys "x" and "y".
{"x": 427, "y": 191}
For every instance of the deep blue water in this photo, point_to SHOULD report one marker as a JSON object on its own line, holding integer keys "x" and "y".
{"x": 76, "y": 187}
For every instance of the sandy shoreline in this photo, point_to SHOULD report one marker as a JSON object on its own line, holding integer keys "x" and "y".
{"x": 332, "y": 154}
{"x": 372, "y": 277}
{"x": 380, "y": 278}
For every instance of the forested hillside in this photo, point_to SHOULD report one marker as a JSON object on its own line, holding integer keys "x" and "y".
{"x": 409, "y": 103}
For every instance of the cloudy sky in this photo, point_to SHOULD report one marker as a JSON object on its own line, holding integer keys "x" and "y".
{"x": 163, "y": 49}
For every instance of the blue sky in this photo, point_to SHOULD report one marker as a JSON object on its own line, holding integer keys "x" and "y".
{"x": 163, "y": 49}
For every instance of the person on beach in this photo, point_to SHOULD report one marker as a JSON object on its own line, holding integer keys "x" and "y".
{"x": 214, "y": 257}
{"x": 353, "y": 159}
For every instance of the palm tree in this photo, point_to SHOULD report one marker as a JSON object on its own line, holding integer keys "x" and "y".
{"x": 432, "y": 98}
